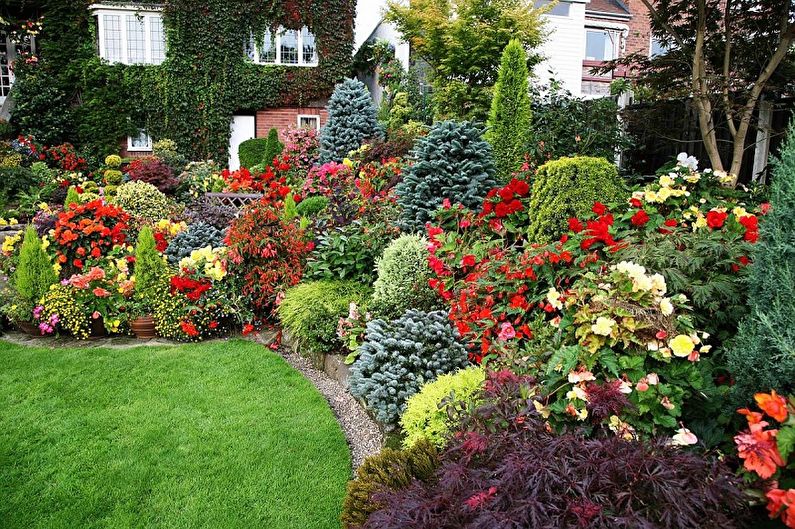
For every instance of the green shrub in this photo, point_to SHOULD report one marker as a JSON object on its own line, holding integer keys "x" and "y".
{"x": 508, "y": 129}
{"x": 567, "y": 188}
{"x": 197, "y": 236}
{"x": 389, "y": 470}
{"x": 426, "y": 416}
{"x": 273, "y": 147}
{"x": 311, "y": 311}
{"x": 166, "y": 151}
{"x": 402, "y": 281}
{"x": 252, "y": 152}
{"x": 453, "y": 162}
{"x": 311, "y": 206}
{"x": 150, "y": 268}
{"x": 143, "y": 201}
{"x": 72, "y": 197}
{"x": 349, "y": 253}
{"x": 351, "y": 121}
{"x": 34, "y": 274}
{"x": 398, "y": 357}
{"x": 763, "y": 355}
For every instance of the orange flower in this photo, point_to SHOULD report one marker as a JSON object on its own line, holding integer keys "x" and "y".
{"x": 759, "y": 452}
{"x": 772, "y": 404}
{"x": 754, "y": 418}
{"x": 101, "y": 292}
{"x": 782, "y": 503}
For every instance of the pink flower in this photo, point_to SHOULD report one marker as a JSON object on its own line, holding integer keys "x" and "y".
{"x": 101, "y": 292}
{"x": 96, "y": 315}
{"x": 506, "y": 332}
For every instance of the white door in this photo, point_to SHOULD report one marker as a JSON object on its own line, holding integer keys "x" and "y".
{"x": 243, "y": 128}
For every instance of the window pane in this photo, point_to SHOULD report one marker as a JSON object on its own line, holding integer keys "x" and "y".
{"x": 5, "y": 72}
{"x": 141, "y": 141}
{"x": 598, "y": 46}
{"x": 158, "y": 37}
{"x": 657, "y": 48}
{"x": 310, "y": 50}
{"x": 136, "y": 47}
{"x": 289, "y": 47}
{"x": 309, "y": 122}
{"x": 560, "y": 9}
{"x": 267, "y": 53}
{"x": 112, "y": 28}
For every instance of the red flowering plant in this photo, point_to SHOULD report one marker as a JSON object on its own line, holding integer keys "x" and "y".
{"x": 767, "y": 454}
{"x": 64, "y": 156}
{"x": 244, "y": 181}
{"x": 266, "y": 249}
{"x": 88, "y": 232}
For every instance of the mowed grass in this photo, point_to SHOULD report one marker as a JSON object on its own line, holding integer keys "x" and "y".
{"x": 220, "y": 435}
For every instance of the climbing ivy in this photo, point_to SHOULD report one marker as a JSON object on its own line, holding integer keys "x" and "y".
{"x": 204, "y": 80}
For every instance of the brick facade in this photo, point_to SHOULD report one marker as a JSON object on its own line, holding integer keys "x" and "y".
{"x": 285, "y": 118}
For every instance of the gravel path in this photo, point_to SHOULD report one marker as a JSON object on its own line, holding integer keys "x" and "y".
{"x": 363, "y": 434}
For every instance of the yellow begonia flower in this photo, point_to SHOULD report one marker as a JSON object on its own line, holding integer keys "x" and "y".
{"x": 603, "y": 326}
{"x": 666, "y": 181}
{"x": 577, "y": 393}
{"x": 740, "y": 212}
{"x": 553, "y": 297}
{"x": 348, "y": 162}
{"x": 663, "y": 194}
{"x": 682, "y": 345}
{"x": 13, "y": 222}
{"x": 701, "y": 222}
{"x": 45, "y": 243}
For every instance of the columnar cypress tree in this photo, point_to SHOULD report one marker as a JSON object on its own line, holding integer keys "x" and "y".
{"x": 71, "y": 197}
{"x": 763, "y": 354}
{"x": 273, "y": 148}
{"x": 351, "y": 120}
{"x": 509, "y": 120}
{"x": 149, "y": 266}
{"x": 34, "y": 274}
{"x": 452, "y": 162}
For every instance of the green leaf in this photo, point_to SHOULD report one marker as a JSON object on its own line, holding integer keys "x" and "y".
{"x": 786, "y": 441}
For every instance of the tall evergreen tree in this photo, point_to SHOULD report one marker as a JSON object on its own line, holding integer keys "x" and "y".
{"x": 351, "y": 120}
{"x": 34, "y": 274}
{"x": 763, "y": 354}
{"x": 509, "y": 120}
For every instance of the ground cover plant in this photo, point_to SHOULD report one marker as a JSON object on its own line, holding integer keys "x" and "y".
{"x": 200, "y": 435}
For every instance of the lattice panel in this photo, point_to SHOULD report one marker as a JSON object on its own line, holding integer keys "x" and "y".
{"x": 235, "y": 200}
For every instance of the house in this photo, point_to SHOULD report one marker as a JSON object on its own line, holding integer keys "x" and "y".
{"x": 582, "y": 34}
{"x": 136, "y": 34}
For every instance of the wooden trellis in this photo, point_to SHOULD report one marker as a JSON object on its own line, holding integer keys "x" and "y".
{"x": 234, "y": 200}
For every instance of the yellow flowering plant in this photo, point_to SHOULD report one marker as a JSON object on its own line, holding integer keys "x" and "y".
{"x": 625, "y": 354}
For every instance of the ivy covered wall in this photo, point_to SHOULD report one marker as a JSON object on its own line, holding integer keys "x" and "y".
{"x": 70, "y": 95}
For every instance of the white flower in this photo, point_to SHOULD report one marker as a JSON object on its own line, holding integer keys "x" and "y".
{"x": 653, "y": 379}
{"x": 684, "y": 437}
{"x": 625, "y": 387}
{"x": 666, "y": 307}
{"x": 683, "y": 160}
{"x": 603, "y": 326}
{"x": 553, "y": 297}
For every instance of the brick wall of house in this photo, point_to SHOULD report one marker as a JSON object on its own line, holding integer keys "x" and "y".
{"x": 285, "y": 118}
{"x": 124, "y": 153}
{"x": 639, "y": 37}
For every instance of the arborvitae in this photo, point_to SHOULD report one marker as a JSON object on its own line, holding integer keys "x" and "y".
{"x": 452, "y": 162}
{"x": 149, "y": 266}
{"x": 510, "y": 117}
{"x": 351, "y": 120}
{"x": 34, "y": 274}
{"x": 72, "y": 197}
{"x": 763, "y": 355}
{"x": 273, "y": 148}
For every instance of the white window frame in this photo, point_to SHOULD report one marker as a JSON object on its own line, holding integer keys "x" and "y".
{"x": 147, "y": 148}
{"x": 277, "y": 41}
{"x": 315, "y": 117}
{"x": 147, "y": 14}
{"x": 651, "y": 48}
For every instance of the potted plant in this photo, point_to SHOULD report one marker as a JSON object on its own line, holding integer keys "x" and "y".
{"x": 149, "y": 269}
{"x": 32, "y": 279}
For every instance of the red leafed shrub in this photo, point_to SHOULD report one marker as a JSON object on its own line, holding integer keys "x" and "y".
{"x": 505, "y": 469}
{"x": 153, "y": 171}
{"x": 266, "y": 252}
{"x": 87, "y": 232}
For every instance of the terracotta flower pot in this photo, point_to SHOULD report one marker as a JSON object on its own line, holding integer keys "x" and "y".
{"x": 29, "y": 328}
{"x": 143, "y": 327}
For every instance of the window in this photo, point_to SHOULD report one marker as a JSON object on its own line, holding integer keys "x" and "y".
{"x": 600, "y": 45}
{"x": 657, "y": 47}
{"x": 308, "y": 121}
{"x": 130, "y": 35}
{"x": 284, "y": 46}
{"x": 141, "y": 142}
{"x": 560, "y": 9}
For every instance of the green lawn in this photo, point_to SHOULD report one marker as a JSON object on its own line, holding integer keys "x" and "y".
{"x": 219, "y": 435}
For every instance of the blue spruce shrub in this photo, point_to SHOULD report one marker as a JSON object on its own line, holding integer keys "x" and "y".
{"x": 398, "y": 357}
{"x": 351, "y": 120}
{"x": 196, "y": 237}
{"x": 452, "y": 162}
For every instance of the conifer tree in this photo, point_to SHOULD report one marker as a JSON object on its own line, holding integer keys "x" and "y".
{"x": 34, "y": 274}
{"x": 763, "y": 354}
{"x": 452, "y": 162}
{"x": 71, "y": 197}
{"x": 508, "y": 128}
{"x": 273, "y": 147}
{"x": 149, "y": 266}
{"x": 351, "y": 120}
